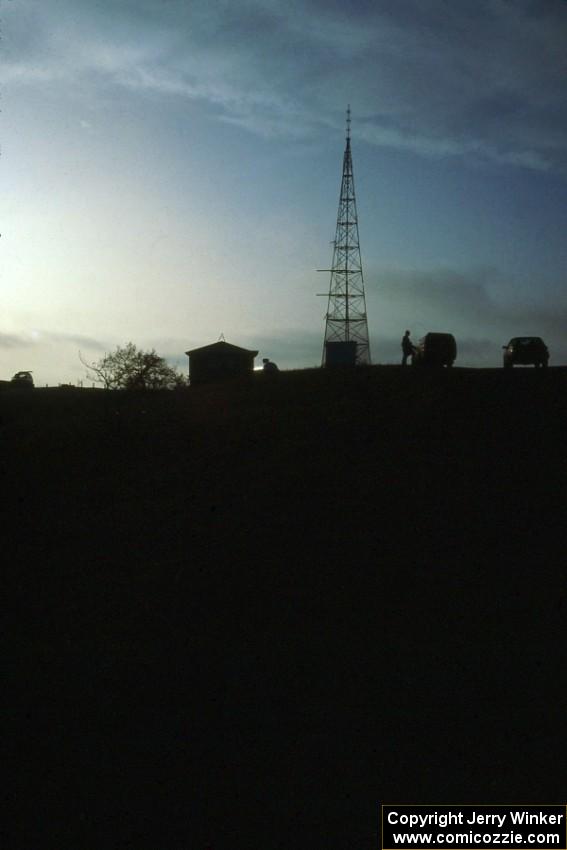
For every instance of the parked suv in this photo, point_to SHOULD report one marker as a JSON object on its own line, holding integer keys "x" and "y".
{"x": 525, "y": 350}
{"x": 22, "y": 379}
{"x": 435, "y": 350}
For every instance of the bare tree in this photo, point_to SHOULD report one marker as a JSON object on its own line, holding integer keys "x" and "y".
{"x": 128, "y": 368}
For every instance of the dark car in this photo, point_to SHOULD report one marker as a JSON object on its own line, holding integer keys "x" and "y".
{"x": 435, "y": 349}
{"x": 23, "y": 380}
{"x": 525, "y": 351}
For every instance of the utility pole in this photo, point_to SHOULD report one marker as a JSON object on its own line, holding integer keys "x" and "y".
{"x": 346, "y": 328}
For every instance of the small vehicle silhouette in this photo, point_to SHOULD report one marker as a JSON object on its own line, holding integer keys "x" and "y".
{"x": 23, "y": 380}
{"x": 435, "y": 349}
{"x": 525, "y": 351}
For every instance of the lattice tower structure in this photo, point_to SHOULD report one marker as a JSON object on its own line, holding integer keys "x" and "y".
{"x": 346, "y": 319}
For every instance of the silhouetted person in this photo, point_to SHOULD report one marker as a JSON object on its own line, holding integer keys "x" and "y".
{"x": 408, "y": 348}
{"x": 269, "y": 366}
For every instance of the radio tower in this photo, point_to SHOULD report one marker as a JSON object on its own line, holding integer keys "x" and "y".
{"x": 346, "y": 321}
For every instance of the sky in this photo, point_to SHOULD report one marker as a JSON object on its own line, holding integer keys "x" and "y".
{"x": 170, "y": 172}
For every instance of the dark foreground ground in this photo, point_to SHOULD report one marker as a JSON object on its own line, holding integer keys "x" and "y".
{"x": 243, "y": 616}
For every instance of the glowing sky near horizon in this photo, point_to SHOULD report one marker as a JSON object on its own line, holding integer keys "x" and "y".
{"x": 170, "y": 172}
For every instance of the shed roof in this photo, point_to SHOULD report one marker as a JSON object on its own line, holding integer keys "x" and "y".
{"x": 221, "y": 346}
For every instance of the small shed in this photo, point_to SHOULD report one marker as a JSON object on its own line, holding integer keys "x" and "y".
{"x": 219, "y": 362}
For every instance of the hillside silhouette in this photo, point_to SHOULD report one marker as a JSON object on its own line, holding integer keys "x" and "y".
{"x": 242, "y": 615}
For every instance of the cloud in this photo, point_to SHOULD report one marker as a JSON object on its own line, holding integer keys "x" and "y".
{"x": 14, "y": 341}
{"x": 482, "y": 80}
{"x": 80, "y": 340}
{"x": 35, "y": 337}
{"x": 53, "y": 356}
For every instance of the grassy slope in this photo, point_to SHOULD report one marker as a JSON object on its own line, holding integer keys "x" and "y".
{"x": 244, "y": 614}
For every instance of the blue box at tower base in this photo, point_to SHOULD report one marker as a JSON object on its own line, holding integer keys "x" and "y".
{"x": 340, "y": 353}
